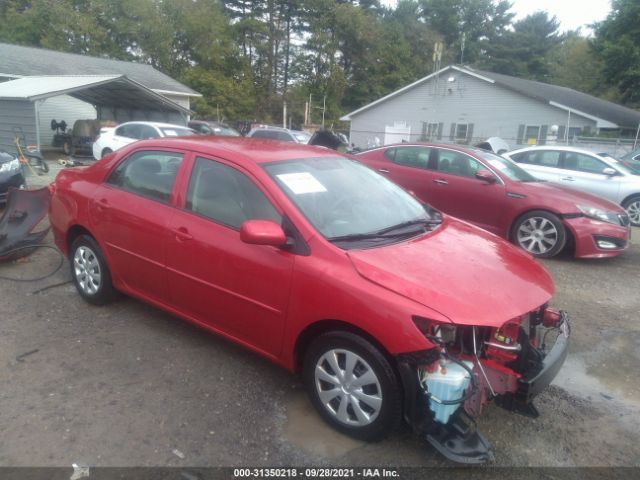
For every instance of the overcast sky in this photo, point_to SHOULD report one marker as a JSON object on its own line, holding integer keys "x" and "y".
{"x": 571, "y": 13}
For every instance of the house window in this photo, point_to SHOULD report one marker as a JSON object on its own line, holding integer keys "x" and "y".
{"x": 532, "y": 134}
{"x": 462, "y": 130}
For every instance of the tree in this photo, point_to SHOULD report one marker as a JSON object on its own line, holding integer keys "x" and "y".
{"x": 617, "y": 40}
{"x": 524, "y": 51}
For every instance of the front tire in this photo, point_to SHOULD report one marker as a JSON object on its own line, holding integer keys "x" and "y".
{"x": 632, "y": 206}
{"x": 540, "y": 233}
{"x": 352, "y": 385}
{"x": 89, "y": 271}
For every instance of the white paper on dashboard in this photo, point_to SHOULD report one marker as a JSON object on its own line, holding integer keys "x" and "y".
{"x": 302, "y": 182}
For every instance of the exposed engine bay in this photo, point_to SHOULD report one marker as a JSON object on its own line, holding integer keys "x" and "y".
{"x": 476, "y": 364}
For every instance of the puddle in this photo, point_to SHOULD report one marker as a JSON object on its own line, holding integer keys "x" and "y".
{"x": 575, "y": 378}
{"x": 305, "y": 429}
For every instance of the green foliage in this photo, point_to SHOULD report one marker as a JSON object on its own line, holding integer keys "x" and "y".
{"x": 618, "y": 43}
{"x": 247, "y": 57}
{"x": 524, "y": 51}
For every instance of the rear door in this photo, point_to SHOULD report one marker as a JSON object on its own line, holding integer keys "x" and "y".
{"x": 237, "y": 288}
{"x": 130, "y": 212}
{"x": 543, "y": 164}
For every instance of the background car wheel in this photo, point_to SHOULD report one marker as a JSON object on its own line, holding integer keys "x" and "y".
{"x": 89, "y": 271}
{"x": 352, "y": 385}
{"x": 540, "y": 233}
{"x": 66, "y": 147}
{"x": 632, "y": 206}
{"x": 106, "y": 151}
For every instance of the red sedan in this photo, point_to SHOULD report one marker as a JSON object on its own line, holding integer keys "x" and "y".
{"x": 325, "y": 267}
{"x": 496, "y": 194}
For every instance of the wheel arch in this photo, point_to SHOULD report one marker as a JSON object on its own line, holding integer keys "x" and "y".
{"x": 74, "y": 232}
{"x": 629, "y": 197}
{"x": 312, "y": 331}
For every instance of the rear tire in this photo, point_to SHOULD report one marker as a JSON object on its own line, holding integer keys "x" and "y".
{"x": 105, "y": 152}
{"x": 632, "y": 206}
{"x": 89, "y": 271}
{"x": 540, "y": 233}
{"x": 352, "y": 385}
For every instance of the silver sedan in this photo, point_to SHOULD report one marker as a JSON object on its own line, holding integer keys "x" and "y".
{"x": 584, "y": 170}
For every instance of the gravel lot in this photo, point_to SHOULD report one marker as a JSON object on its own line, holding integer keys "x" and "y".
{"x": 129, "y": 385}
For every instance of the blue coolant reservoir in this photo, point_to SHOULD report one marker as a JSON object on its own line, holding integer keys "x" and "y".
{"x": 448, "y": 382}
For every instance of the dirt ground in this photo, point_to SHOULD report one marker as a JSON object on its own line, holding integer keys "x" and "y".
{"x": 129, "y": 385}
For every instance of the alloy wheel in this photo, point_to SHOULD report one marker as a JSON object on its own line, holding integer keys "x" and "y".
{"x": 87, "y": 270}
{"x": 633, "y": 210}
{"x": 537, "y": 235}
{"x": 348, "y": 387}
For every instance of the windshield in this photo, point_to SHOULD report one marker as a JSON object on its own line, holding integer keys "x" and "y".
{"x": 506, "y": 167}
{"x": 226, "y": 131}
{"x": 349, "y": 204}
{"x": 176, "y": 132}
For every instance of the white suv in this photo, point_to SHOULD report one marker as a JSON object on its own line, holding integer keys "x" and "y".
{"x": 582, "y": 169}
{"x": 113, "y": 138}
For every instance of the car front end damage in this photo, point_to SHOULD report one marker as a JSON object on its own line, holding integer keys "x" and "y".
{"x": 448, "y": 386}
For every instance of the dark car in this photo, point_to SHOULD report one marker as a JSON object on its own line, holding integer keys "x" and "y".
{"x": 83, "y": 135}
{"x": 10, "y": 175}
{"x": 207, "y": 127}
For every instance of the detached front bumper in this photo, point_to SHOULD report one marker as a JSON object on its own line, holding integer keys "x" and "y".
{"x": 596, "y": 239}
{"x": 529, "y": 388}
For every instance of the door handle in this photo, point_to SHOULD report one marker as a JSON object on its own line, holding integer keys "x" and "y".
{"x": 383, "y": 170}
{"x": 569, "y": 179}
{"x": 440, "y": 181}
{"x": 102, "y": 204}
{"x": 182, "y": 234}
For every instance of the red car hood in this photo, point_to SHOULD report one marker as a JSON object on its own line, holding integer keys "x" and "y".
{"x": 469, "y": 275}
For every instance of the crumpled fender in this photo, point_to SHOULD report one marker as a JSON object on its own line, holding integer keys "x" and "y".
{"x": 23, "y": 212}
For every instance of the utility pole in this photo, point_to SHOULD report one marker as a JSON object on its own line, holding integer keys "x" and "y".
{"x": 324, "y": 107}
{"x": 464, "y": 38}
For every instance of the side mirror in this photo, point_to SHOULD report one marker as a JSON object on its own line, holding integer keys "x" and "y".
{"x": 609, "y": 171}
{"x": 486, "y": 176}
{"x": 262, "y": 232}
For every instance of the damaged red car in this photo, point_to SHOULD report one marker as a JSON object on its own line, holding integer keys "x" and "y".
{"x": 389, "y": 309}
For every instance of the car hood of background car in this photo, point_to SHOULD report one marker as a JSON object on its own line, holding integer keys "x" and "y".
{"x": 563, "y": 198}
{"x": 469, "y": 275}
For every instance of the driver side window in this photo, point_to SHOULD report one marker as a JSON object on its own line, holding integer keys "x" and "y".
{"x": 456, "y": 163}
{"x": 226, "y": 196}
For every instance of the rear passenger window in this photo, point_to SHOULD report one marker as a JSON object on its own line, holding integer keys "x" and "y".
{"x": 148, "y": 173}
{"x": 417, "y": 157}
{"x": 227, "y": 196}
{"x": 547, "y": 158}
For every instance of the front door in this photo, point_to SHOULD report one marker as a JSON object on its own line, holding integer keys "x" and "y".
{"x": 456, "y": 191}
{"x": 214, "y": 277}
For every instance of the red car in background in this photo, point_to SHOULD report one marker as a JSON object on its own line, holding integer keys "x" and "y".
{"x": 496, "y": 194}
{"x": 389, "y": 309}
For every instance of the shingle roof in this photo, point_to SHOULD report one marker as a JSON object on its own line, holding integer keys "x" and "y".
{"x": 561, "y": 97}
{"x": 575, "y": 100}
{"x": 27, "y": 61}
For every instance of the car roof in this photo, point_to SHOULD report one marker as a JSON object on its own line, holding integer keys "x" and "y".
{"x": 451, "y": 146}
{"x": 563, "y": 148}
{"x": 250, "y": 149}
{"x": 153, "y": 124}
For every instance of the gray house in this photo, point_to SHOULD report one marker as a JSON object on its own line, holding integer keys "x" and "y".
{"x": 465, "y": 105}
{"x": 71, "y": 87}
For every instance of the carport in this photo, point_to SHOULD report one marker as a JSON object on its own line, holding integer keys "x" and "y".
{"x": 115, "y": 97}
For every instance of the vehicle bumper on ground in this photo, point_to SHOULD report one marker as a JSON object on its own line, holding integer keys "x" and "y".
{"x": 596, "y": 239}
{"x": 14, "y": 179}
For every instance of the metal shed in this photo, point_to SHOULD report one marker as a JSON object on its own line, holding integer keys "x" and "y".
{"x": 115, "y": 97}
